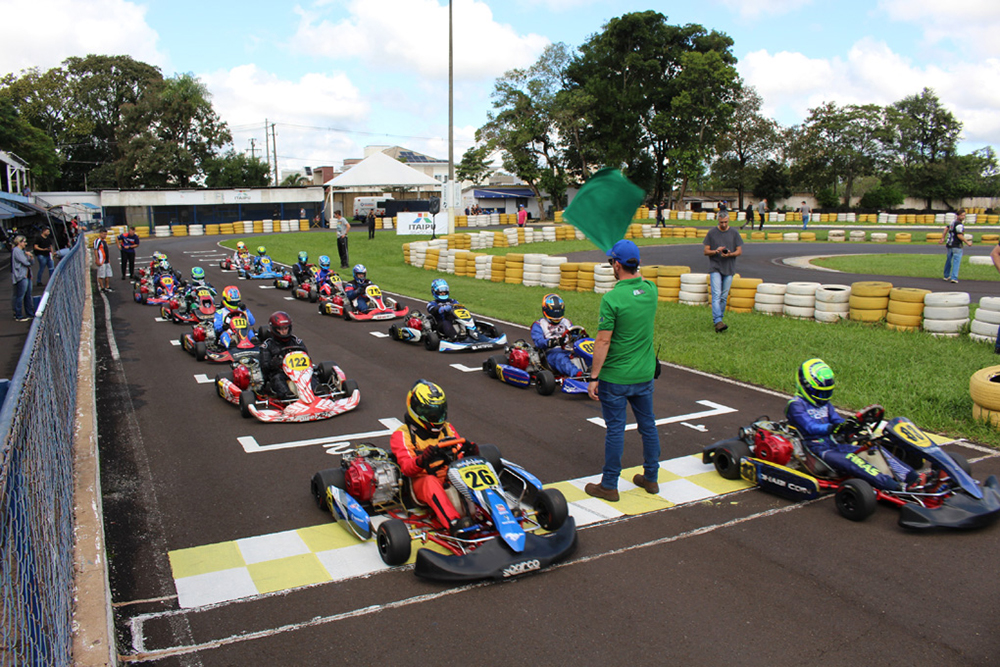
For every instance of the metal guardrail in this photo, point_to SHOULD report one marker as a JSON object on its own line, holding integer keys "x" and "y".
{"x": 36, "y": 478}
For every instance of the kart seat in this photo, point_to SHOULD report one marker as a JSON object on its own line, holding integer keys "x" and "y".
{"x": 813, "y": 463}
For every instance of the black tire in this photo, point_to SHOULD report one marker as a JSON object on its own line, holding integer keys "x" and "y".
{"x": 183, "y": 346}
{"x": 322, "y": 309}
{"x": 293, "y": 282}
{"x": 728, "y": 456}
{"x": 323, "y": 479}
{"x": 545, "y": 382}
{"x": 218, "y": 387}
{"x": 393, "y": 541}
{"x": 350, "y": 386}
{"x": 326, "y": 372}
{"x": 164, "y": 312}
{"x": 200, "y": 350}
{"x": 348, "y": 308}
{"x": 551, "y": 509}
{"x": 144, "y": 298}
{"x": 246, "y": 400}
{"x": 432, "y": 341}
{"x": 393, "y": 332}
{"x": 492, "y": 362}
{"x": 961, "y": 462}
{"x": 491, "y": 454}
{"x": 313, "y": 294}
{"x": 856, "y": 500}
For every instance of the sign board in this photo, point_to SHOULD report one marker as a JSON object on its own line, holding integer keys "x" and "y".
{"x": 421, "y": 223}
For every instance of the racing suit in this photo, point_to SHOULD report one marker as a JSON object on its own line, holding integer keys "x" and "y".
{"x": 355, "y": 291}
{"x": 302, "y": 272}
{"x": 271, "y": 355}
{"x": 441, "y": 312}
{"x": 191, "y": 294}
{"x": 816, "y": 424}
{"x": 545, "y": 335}
{"x": 408, "y": 442}
{"x": 258, "y": 263}
{"x": 222, "y": 330}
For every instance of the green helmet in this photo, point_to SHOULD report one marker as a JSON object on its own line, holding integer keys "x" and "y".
{"x": 815, "y": 382}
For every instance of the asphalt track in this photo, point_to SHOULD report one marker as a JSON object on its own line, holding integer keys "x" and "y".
{"x": 740, "y": 578}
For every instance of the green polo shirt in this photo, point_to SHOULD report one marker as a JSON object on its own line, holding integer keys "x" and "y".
{"x": 628, "y": 311}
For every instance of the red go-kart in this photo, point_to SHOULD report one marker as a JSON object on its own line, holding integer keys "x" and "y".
{"x": 380, "y": 307}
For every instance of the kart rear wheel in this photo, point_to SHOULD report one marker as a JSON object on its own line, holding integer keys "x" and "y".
{"x": 491, "y": 454}
{"x": 432, "y": 341}
{"x": 200, "y": 350}
{"x": 492, "y": 363}
{"x": 218, "y": 387}
{"x": 326, "y": 372}
{"x": 551, "y": 509}
{"x": 347, "y": 310}
{"x": 322, "y": 480}
{"x": 856, "y": 500}
{"x": 350, "y": 386}
{"x": 546, "y": 382}
{"x": 246, "y": 400}
{"x": 393, "y": 332}
{"x": 393, "y": 541}
{"x": 313, "y": 294}
{"x": 728, "y": 456}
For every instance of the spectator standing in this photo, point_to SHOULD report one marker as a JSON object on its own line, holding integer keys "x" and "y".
{"x": 103, "y": 261}
{"x": 954, "y": 239}
{"x": 342, "y": 226}
{"x": 626, "y": 363}
{"x": 42, "y": 247}
{"x": 805, "y": 211}
{"x": 370, "y": 219}
{"x": 522, "y": 216}
{"x": 659, "y": 215}
{"x": 761, "y": 214}
{"x": 20, "y": 271}
{"x": 723, "y": 245}
{"x": 128, "y": 241}
{"x": 749, "y": 220}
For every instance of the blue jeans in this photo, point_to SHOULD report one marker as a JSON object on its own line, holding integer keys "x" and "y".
{"x": 720, "y": 285}
{"x": 614, "y": 399}
{"x": 24, "y": 305}
{"x": 44, "y": 261}
{"x": 952, "y": 263}
{"x": 805, "y": 220}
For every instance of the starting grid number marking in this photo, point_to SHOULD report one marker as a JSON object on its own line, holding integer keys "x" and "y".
{"x": 378, "y": 334}
{"x": 174, "y": 341}
{"x": 201, "y": 378}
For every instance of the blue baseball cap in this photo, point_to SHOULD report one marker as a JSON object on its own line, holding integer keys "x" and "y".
{"x": 626, "y": 253}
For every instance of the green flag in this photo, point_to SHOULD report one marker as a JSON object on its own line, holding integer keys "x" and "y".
{"x": 604, "y": 206}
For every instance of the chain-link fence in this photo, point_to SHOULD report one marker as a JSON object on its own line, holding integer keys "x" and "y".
{"x": 36, "y": 478}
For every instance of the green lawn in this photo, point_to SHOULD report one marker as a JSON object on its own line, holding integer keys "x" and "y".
{"x": 912, "y": 374}
{"x": 910, "y": 266}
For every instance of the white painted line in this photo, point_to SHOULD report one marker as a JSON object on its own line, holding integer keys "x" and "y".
{"x": 465, "y": 369}
{"x": 715, "y": 410}
{"x": 160, "y": 319}
{"x": 697, "y": 427}
{"x": 289, "y": 298}
{"x": 251, "y": 446}
{"x": 267, "y": 286}
{"x": 379, "y": 334}
{"x": 200, "y": 252}
{"x": 201, "y": 378}
{"x": 174, "y": 341}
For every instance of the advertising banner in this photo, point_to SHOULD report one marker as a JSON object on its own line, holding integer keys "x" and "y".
{"x": 421, "y": 223}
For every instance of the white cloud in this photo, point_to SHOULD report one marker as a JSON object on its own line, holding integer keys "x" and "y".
{"x": 792, "y": 83}
{"x": 756, "y": 8}
{"x": 971, "y": 25}
{"x": 43, "y": 33}
{"x": 412, "y": 36}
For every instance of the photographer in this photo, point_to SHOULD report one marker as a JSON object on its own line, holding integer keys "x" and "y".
{"x": 722, "y": 246}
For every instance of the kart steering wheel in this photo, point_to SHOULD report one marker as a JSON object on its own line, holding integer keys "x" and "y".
{"x": 871, "y": 415}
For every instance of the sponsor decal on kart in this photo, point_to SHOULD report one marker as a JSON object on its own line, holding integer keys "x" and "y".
{"x": 521, "y": 568}
{"x": 864, "y": 465}
{"x": 908, "y": 432}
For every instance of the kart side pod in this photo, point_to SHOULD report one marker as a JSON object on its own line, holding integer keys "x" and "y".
{"x": 779, "y": 480}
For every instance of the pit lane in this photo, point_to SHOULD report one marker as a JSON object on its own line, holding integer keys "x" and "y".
{"x": 765, "y": 571}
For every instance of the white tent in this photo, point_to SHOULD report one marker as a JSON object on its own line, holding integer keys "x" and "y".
{"x": 380, "y": 170}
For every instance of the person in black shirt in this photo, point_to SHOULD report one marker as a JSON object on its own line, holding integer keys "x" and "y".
{"x": 43, "y": 250}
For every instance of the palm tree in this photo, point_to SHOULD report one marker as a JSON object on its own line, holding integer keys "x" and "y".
{"x": 294, "y": 180}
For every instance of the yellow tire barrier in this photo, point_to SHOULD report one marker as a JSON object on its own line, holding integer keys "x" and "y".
{"x": 983, "y": 414}
{"x": 746, "y": 283}
{"x": 903, "y": 237}
{"x": 899, "y": 327}
{"x": 906, "y": 308}
{"x": 869, "y": 302}
{"x": 736, "y": 293}
{"x": 672, "y": 271}
{"x": 984, "y": 388}
{"x": 737, "y": 302}
{"x": 903, "y": 320}
{"x": 908, "y": 294}
{"x": 863, "y": 315}
{"x": 871, "y": 288}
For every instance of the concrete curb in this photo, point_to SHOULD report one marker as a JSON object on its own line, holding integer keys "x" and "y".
{"x": 93, "y": 621}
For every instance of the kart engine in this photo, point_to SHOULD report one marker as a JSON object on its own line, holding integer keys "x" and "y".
{"x": 772, "y": 446}
{"x": 371, "y": 476}
{"x": 519, "y": 357}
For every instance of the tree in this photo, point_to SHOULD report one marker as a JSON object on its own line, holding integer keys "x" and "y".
{"x": 474, "y": 166}
{"x": 745, "y": 145}
{"x": 30, "y": 144}
{"x": 236, "y": 170}
{"x": 774, "y": 183}
{"x": 294, "y": 181}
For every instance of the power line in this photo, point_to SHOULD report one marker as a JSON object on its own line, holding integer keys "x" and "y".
{"x": 243, "y": 128}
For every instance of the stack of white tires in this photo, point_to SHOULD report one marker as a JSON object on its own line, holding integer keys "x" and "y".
{"x": 946, "y": 313}
{"x": 533, "y": 269}
{"x": 551, "y": 272}
{"x": 604, "y": 278}
{"x": 983, "y": 327}
{"x": 770, "y": 298}
{"x": 835, "y": 236}
{"x": 694, "y": 289}
{"x": 800, "y": 300}
{"x": 832, "y": 303}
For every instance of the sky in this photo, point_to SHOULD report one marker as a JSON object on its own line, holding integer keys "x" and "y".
{"x": 338, "y": 75}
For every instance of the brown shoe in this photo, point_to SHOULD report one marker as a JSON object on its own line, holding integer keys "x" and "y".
{"x": 641, "y": 481}
{"x": 720, "y": 327}
{"x": 598, "y": 491}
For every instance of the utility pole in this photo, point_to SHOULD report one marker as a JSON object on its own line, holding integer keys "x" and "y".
{"x": 267, "y": 148}
{"x": 253, "y": 148}
{"x": 452, "y": 204}
{"x": 274, "y": 144}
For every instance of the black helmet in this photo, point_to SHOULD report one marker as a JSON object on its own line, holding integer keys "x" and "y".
{"x": 427, "y": 406}
{"x": 281, "y": 326}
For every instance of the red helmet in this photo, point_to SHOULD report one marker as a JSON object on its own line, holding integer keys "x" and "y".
{"x": 519, "y": 358}
{"x": 281, "y": 326}
{"x": 360, "y": 481}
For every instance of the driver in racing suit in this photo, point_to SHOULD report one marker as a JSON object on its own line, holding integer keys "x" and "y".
{"x": 272, "y": 353}
{"x": 815, "y": 418}
{"x": 415, "y": 445}
{"x": 197, "y": 282}
{"x": 301, "y": 270}
{"x": 355, "y": 289}
{"x": 258, "y": 261}
{"x": 231, "y": 302}
{"x": 442, "y": 306}
{"x": 547, "y": 333}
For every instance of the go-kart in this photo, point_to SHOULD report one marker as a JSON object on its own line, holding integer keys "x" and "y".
{"x": 380, "y": 307}
{"x": 332, "y": 395}
{"x": 159, "y": 290}
{"x": 289, "y": 281}
{"x": 261, "y": 269}
{"x": 505, "y": 503}
{"x": 200, "y": 307}
{"x": 522, "y": 365}
{"x": 773, "y": 456}
{"x": 241, "y": 263}
{"x": 470, "y": 335}
{"x": 205, "y": 346}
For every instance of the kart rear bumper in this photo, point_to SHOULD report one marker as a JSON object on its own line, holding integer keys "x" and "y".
{"x": 375, "y": 315}
{"x": 958, "y": 511}
{"x": 495, "y": 560}
{"x": 472, "y": 345}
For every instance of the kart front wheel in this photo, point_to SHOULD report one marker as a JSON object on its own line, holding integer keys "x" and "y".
{"x": 491, "y": 454}
{"x": 321, "y": 481}
{"x": 246, "y": 400}
{"x": 393, "y": 541}
{"x": 493, "y": 362}
{"x": 313, "y": 295}
{"x": 856, "y": 500}
{"x": 961, "y": 462}
{"x": 347, "y": 310}
{"x": 432, "y": 341}
{"x": 326, "y": 372}
{"x": 200, "y": 350}
{"x": 350, "y": 386}
{"x": 551, "y": 509}
{"x": 728, "y": 456}
{"x": 546, "y": 382}
{"x": 218, "y": 387}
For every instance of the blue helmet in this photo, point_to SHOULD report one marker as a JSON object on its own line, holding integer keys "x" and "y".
{"x": 303, "y": 257}
{"x": 197, "y": 273}
{"x": 360, "y": 272}
{"x": 439, "y": 289}
{"x": 324, "y": 262}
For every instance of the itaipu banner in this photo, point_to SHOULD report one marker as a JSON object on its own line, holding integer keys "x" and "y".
{"x": 422, "y": 223}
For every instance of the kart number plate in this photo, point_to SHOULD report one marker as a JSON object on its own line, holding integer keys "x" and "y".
{"x": 908, "y": 432}
{"x": 462, "y": 314}
{"x": 239, "y": 323}
{"x": 204, "y": 294}
{"x": 166, "y": 281}
{"x": 478, "y": 477}
{"x": 373, "y": 291}
{"x": 296, "y": 361}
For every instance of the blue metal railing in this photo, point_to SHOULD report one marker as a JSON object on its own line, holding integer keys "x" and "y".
{"x": 36, "y": 478}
